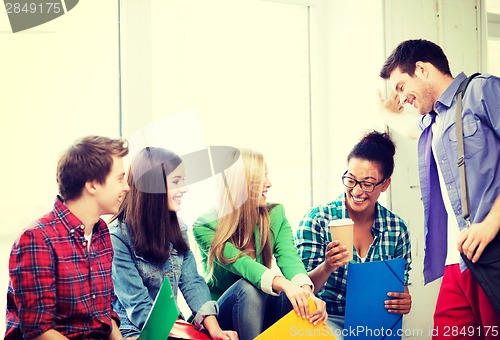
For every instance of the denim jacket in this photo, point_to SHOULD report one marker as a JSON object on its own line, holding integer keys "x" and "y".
{"x": 137, "y": 282}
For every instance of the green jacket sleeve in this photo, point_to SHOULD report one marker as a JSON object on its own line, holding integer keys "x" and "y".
{"x": 284, "y": 249}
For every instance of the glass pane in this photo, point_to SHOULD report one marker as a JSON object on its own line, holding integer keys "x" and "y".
{"x": 493, "y": 29}
{"x": 222, "y": 72}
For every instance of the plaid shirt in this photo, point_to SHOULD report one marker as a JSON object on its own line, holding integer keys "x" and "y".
{"x": 391, "y": 240}
{"x": 57, "y": 283}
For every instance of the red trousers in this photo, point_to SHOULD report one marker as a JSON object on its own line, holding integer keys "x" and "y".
{"x": 463, "y": 310}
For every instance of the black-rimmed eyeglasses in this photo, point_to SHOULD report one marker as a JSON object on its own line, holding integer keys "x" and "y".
{"x": 364, "y": 185}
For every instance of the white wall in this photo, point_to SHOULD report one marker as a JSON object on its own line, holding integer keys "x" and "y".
{"x": 350, "y": 49}
{"x": 59, "y": 81}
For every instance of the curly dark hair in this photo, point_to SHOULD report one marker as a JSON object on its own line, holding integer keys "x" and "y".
{"x": 376, "y": 147}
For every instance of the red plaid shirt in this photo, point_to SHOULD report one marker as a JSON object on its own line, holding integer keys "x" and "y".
{"x": 57, "y": 283}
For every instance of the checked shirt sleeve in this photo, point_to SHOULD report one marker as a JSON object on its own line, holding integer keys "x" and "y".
{"x": 31, "y": 268}
{"x": 403, "y": 250}
{"x": 311, "y": 240}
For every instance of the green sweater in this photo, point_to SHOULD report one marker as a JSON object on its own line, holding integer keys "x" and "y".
{"x": 253, "y": 270}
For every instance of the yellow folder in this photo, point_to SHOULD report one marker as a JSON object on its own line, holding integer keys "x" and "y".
{"x": 292, "y": 326}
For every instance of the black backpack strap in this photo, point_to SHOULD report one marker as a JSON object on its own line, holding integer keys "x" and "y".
{"x": 465, "y": 83}
{"x": 464, "y": 192}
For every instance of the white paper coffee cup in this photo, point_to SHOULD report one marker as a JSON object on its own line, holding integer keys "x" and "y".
{"x": 342, "y": 230}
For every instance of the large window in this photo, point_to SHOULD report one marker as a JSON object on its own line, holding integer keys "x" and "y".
{"x": 198, "y": 73}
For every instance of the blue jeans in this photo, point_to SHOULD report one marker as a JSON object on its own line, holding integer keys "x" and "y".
{"x": 336, "y": 324}
{"x": 248, "y": 310}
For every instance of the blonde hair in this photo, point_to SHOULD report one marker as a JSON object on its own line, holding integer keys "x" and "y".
{"x": 239, "y": 213}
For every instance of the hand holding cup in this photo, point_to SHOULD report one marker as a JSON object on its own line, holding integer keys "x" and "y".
{"x": 342, "y": 230}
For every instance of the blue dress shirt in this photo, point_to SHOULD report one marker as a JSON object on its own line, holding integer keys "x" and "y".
{"x": 481, "y": 127}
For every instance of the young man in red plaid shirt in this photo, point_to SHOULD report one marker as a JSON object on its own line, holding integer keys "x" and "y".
{"x": 60, "y": 268}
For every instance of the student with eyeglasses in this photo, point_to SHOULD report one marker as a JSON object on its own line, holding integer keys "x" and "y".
{"x": 379, "y": 234}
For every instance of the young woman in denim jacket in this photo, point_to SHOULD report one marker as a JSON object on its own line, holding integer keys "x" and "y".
{"x": 150, "y": 244}
{"x": 238, "y": 242}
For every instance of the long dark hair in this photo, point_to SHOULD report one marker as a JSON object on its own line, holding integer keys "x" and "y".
{"x": 151, "y": 225}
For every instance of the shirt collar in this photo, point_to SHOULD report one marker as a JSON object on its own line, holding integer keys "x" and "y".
{"x": 446, "y": 99}
{"x": 70, "y": 221}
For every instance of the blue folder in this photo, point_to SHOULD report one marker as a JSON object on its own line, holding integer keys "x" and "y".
{"x": 367, "y": 286}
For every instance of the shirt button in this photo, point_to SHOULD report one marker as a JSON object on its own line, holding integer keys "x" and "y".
{"x": 82, "y": 227}
{"x": 84, "y": 243}
{"x": 93, "y": 296}
{"x": 72, "y": 231}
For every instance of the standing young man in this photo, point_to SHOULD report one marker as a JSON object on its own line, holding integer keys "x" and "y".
{"x": 60, "y": 268}
{"x": 419, "y": 73}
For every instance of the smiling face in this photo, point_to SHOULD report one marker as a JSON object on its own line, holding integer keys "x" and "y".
{"x": 109, "y": 194}
{"x": 358, "y": 201}
{"x": 176, "y": 184}
{"x": 263, "y": 192}
{"x": 415, "y": 90}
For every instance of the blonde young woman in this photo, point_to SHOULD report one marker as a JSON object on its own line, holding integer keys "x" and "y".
{"x": 239, "y": 240}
